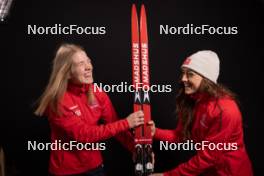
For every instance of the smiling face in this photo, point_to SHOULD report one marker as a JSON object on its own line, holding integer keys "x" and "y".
{"x": 191, "y": 80}
{"x": 81, "y": 70}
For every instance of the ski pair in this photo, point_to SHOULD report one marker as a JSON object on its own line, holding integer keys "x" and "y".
{"x": 141, "y": 83}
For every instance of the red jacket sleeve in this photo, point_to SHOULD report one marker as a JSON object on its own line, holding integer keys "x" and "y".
{"x": 110, "y": 115}
{"x": 231, "y": 119}
{"x": 76, "y": 129}
{"x": 169, "y": 135}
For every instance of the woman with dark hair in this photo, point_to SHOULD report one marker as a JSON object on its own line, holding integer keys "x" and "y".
{"x": 210, "y": 117}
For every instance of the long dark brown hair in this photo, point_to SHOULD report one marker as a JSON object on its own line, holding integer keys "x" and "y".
{"x": 185, "y": 104}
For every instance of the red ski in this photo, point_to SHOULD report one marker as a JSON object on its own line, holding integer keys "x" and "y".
{"x": 141, "y": 83}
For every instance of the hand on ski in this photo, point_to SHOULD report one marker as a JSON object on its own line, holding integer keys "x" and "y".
{"x": 152, "y": 126}
{"x": 135, "y": 119}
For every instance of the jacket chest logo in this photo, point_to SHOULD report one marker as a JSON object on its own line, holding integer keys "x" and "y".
{"x": 76, "y": 110}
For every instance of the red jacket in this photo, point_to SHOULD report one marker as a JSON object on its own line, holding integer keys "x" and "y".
{"x": 217, "y": 122}
{"x": 79, "y": 122}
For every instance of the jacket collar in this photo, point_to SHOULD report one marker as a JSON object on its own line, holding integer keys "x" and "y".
{"x": 78, "y": 89}
{"x": 199, "y": 96}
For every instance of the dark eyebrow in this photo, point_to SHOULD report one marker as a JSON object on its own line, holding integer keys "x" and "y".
{"x": 190, "y": 71}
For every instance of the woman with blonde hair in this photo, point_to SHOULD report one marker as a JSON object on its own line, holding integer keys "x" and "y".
{"x": 210, "y": 118}
{"x": 74, "y": 109}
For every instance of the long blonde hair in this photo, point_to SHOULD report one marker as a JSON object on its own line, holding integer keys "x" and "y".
{"x": 59, "y": 78}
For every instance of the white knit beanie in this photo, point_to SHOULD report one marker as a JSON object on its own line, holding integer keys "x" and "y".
{"x": 204, "y": 62}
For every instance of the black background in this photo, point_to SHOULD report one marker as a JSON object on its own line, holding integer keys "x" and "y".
{"x": 27, "y": 64}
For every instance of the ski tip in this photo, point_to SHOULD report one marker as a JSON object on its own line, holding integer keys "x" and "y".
{"x": 134, "y": 9}
{"x": 134, "y": 17}
{"x": 143, "y": 8}
{"x": 133, "y": 6}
